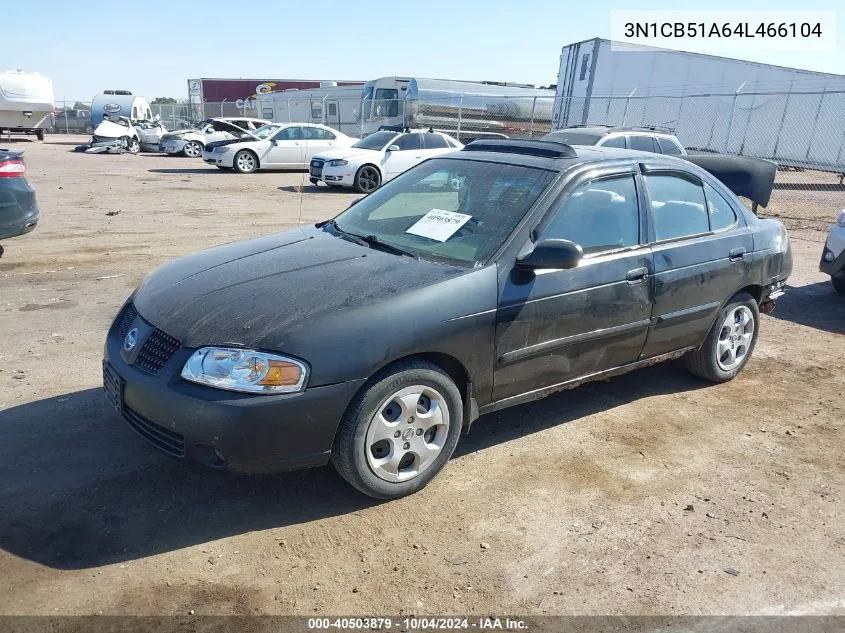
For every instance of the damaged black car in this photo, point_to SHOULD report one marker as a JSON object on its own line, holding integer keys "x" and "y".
{"x": 475, "y": 281}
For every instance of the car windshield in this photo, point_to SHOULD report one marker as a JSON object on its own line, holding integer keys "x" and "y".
{"x": 574, "y": 138}
{"x": 460, "y": 211}
{"x": 266, "y": 131}
{"x": 376, "y": 140}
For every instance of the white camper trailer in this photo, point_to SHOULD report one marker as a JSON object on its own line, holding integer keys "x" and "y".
{"x": 26, "y": 102}
{"x": 335, "y": 106}
{"x": 118, "y": 103}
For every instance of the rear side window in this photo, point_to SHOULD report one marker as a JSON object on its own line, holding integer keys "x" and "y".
{"x": 614, "y": 141}
{"x": 434, "y": 141}
{"x": 409, "y": 141}
{"x": 722, "y": 215}
{"x": 600, "y": 215}
{"x": 668, "y": 147}
{"x": 643, "y": 143}
{"x": 318, "y": 134}
{"x": 678, "y": 207}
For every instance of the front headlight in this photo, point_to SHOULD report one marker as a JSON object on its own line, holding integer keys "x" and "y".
{"x": 840, "y": 218}
{"x": 244, "y": 370}
{"x": 223, "y": 149}
{"x": 338, "y": 162}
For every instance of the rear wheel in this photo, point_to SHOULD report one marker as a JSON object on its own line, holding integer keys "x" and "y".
{"x": 729, "y": 343}
{"x": 367, "y": 179}
{"x": 838, "y": 284}
{"x": 399, "y": 431}
{"x": 192, "y": 149}
{"x": 245, "y": 162}
{"x": 40, "y": 135}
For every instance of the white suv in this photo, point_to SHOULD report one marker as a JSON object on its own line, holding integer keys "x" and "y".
{"x": 644, "y": 139}
{"x": 191, "y": 142}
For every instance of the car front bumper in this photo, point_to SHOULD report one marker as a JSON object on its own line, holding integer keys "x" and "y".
{"x": 833, "y": 255}
{"x": 239, "y": 432}
{"x": 223, "y": 159}
{"x": 173, "y": 146}
{"x": 18, "y": 208}
{"x": 337, "y": 176}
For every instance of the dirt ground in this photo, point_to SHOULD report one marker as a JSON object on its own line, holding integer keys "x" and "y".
{"x": 632, "y": 496}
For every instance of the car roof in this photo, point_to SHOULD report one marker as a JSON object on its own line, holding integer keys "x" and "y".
{"x": 582, "y": 154}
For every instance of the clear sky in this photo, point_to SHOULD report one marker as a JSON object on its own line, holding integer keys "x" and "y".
{"x": 152, "y": 47}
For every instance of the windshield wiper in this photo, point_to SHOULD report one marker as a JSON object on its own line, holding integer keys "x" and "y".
{"x": 372, "y": 241}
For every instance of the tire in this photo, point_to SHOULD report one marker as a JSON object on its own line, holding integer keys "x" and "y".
{"x": 729, "y": 343}
{"x": 838, "y": 284}
{"x": 133, "y": 145}
{"x": 366, "y": 451}
{"x": 314, "y": 182}
{"x": 367, "y": 179}
{"x": 40, "y": 135}
{"x": 245, "y": 162}
{"x": 192, "y": 149}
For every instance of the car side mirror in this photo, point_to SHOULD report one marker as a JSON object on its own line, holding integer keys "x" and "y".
{"x": 555, "y": 254}
{"x": 393, "y": 148}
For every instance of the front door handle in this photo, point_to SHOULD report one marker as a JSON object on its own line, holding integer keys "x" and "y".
{"x": 736, "y": 254}
{"x": 637, "y": 275}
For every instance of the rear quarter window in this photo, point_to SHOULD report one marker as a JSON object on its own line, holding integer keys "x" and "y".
{"x": 668, "y": 147}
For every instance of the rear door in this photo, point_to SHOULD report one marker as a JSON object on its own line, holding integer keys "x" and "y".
{"x": 554, "y": 326}
{"x": 701, "y": 249}
{"x": 317, "y": 140}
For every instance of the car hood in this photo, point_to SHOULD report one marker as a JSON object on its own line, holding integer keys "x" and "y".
{"x": 348, "y": 153}
{"x": 279, "y": 291}
{"x": 231, "y": 141}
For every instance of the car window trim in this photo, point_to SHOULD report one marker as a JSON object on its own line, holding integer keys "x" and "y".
{"x": 591, "y": 175}
{"x": 672, "y": 171}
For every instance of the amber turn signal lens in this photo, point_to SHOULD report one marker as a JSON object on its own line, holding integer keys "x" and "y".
{"x": 281, "y": 374}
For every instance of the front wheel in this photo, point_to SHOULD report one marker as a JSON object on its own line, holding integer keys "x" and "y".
{"x": 133, "y": 145}
{"x": 245, "y": 162}
{"x": 192, "y": 149}
{"x": 314, "y": 181}
{"x": 729, "y": 343}
{"x": 400, "y": 431}
{"x": 367, "y": 179}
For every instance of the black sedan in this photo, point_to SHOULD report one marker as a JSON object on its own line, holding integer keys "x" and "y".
{"x": 483, "y": 279}
{"x": 18, "y": 209}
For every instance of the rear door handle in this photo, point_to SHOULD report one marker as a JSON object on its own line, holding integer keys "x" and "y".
{"x": 637, "y": 275}
{"x": 736, "y": 254}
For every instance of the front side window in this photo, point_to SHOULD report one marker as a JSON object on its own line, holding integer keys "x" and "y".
{"x": 678, "y": 207}
{"x": 376, "y": 141}
{"x": 292, "y": 133}
{"x": 485, "y": 201}
{"x": 722, "y": 215}
{"x": 266, "y": 131}
{"x": 600, "y": 215}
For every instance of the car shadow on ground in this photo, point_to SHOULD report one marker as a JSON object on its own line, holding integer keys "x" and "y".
{"x": 314, "y": 189}
{"x": 815, "y": 305}
{"x": 186, "y": 170}
{"x": 78, "y": 489}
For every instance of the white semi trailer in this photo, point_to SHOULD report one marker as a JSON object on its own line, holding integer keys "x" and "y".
{"x": 26, "y": 103}
{"x": 794, "y": 117}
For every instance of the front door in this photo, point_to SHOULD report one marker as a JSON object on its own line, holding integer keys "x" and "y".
{"x": 287, "y": 148}
{"x": 702, "y": 252}
{"x": 410, "y": 153}
{"x": 554, "y": 326}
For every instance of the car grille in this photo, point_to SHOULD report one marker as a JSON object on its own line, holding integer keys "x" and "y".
{"x": 157, "y": 350}
{"x": 126, "y": 319}
{"x": 164, "y": 439}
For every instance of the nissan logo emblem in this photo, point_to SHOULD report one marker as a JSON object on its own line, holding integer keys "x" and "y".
{"x": 131, "y": 340}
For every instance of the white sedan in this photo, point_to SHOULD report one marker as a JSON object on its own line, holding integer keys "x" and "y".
{"x": 833, "y": 255}
{"x": 191, "y": 142}
{"x": 275, "y": 146}
{"x": 378, "y": 158}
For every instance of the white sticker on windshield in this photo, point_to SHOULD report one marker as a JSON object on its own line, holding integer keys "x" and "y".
{"x": 438, "y": 224}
